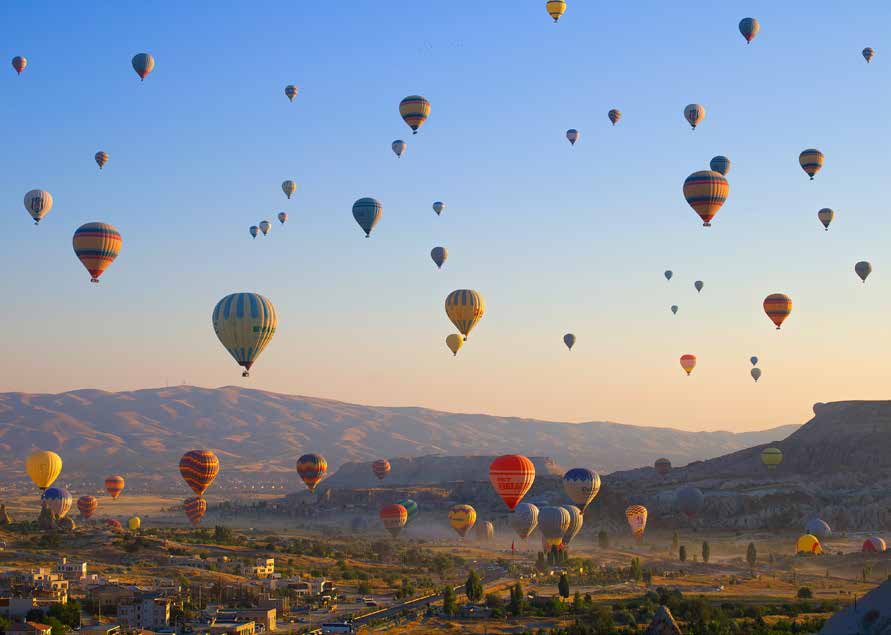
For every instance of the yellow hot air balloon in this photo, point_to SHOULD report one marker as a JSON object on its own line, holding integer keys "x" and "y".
{"x": 43, "y": 467}
{"x": 465, "y": 308}
{"x": 244, "y": 324}
{"x": 556, "y": 8}
{"x": 771, "y": 457}
{"x": 454, "y": 342}
{"x": 134, "y": 523}
{"x": 808, "y": 543}
{"x": 462, "y": 518}
{"x": 636, "y": 515}
{"x": 414, "y": 110}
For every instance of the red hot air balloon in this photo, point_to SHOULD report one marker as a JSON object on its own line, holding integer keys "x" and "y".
{"x": 114, "y": 485}
{"x": 512, "y": 475}
{"x": 394, "y": 518}
{"x": 195, "y": 509}
{"x": 778, "y": 306}
{"x": 199, "y": 468}
{"x": 381, "y": 468}
{"x": 87, "y": 506}
{"x": 688, "y": 363}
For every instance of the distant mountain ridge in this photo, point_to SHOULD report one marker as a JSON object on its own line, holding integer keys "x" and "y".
{"x": 259, "y": 434}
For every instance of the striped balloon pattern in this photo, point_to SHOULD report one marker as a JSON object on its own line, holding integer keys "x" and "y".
{"x": 199, "y": 468}
{"x": 576, "y": 520}
{"x": 556, "y": 8}
{"x": 19, "y": 63}
{"x": 688, "y": 363}
{"x": 553, "y": 523}
{"x": 581, "y": 486}
{"x": 114, "y": 485}
{"x": 291, "y": 91}
{"x": 749, "y": 28}
{"x": 524, "y": 519}
{"x": 411, "y": 507}
{"x": 289, "y": 187}
{"x": 38, "y": 203}
{"x": 367, "y": 212}
{"x": 414, "y": 110}
{"x": 720, "y": 164}
{"x": 778, "y": 306}
{"x": 694, "y": 114}
{"x": 484, "y": 531}
{"x": 381, "y": 468}
{"x": 614, "y": 116}
{"x": 636, "y": 515}
{"x": 462, "y": 518}
{"x": 101, "y": 158}
{"x": 143, "y": 64}
{"x": 312, "y": 469}
{"x": 706, "y": 192}
{"x": 394, "y": 518}
{"x": 59, "y": 500}
{"x": 244, "y": 324}
{"x": 96, "y": 245}
{"x": 465, "y": 308}
{"x": 87, "y": 506}
{"x": 811, "y": 161}
{"x": 195, "y": 508}
{"x": 511, "y": 476}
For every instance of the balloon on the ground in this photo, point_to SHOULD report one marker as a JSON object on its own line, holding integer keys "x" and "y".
{"x": 96, "y": 245}
{"x": 414, "y": 110}
{"x": 636, "y": 515}
{"x": 439, "y": 256}
{"x": 614, "y": 116}
{"x": 244, "y": 324}
{"x": 87, "y": 506}
{"x": 399, "y": 147}
{"x": 720, "y": 164}
{"x": 289, "y": 187}
{"x": 291, "y": 91}
{"x": 43, "y": 467}
{"x": 771, "y": 457}
{"x": 134, "y": 523}
{"x": 454, "y": 342}
{"x": 312, "y": 469}
{"x": 808, "y": 543}
{"x": 688, "y": 363}
{"x": 381, "y": 468}
{"x": 462, "y": 518}
{"x": 38, "y": 204}
{"x": 874, "y": 544}
{"x": 511, "y": 475}
{"x": 569, "y": 340}
{"x": 749, "y": 28}
{"x": 581, "y": 486}
{"x": 524, "y": 519}
{"x": 554, "y": 523}
{"x": 367, "y": 212}
{"x": 863, "y": 269}
{"x": 394, "y": 518}
{"x": 101, "y": 158}
{"x": 465, "y": 308}
{"x": 778, "y": 306}
{"x": 195, "y": 508}
{"x": 826, "y": 215}
{"x": 199, "y": 468}
{"x": 811, "y": 161}
{"x": 143, "y": 64}
{"x": 114, "y": 485}
{"x": 662, "y": 467}
{"x": 572, "y": 135}
{"x": 706, "y": 191}
{"x": 58, "y": 499}
{"x": 818, "y": 527}
{"x": 556, "y": 8}
{"x": 869, "y": 53}
{"x": 694, "y": 114}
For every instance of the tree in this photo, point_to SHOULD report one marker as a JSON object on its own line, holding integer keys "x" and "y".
{"x": 563, "y": 586}
{"x": 363, "y": 588}
{"x": 577, "y": 603}
{"x": 805, "y": 593}
{"x": 494, "y": 601}
{"x": 675, "y": 541}
{"x": 223, "y": 535}
{"x": 540, "y": 564}
{"x": 682, "y": 553}
{"x": 473, "y": 587}
{"x": 751, "y": 556}
{"x": 449, "y": 606}
{"x": 517, "y": 603}
{"x": 635, "y": 572}
{"x": 603, "y": 539}
{"x": 706, "y": 551}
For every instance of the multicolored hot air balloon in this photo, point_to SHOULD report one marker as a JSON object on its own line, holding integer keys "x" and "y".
{"x": 282, "y": 217}
{"x": 195, "y": 508}
{"x": 694, "y": 114}
{"x": 749, "y": 28}
{"x": 668, "y": 274}
{"x": 19, "y": 63}
{"x": 87, "y": 506}
{"x": 863, "y": 269}
{"x": 706, "y": 192}
{"x": 698, "y": 284}
{"x": 114, "y": 485}
{"x": 556, "y": 8}
{"x": 874, "y": 544}
{"x": 291, "y": 92}
{"x": 674, "y": 309}
{"x": 662, "y": 467}
{"x": 394, "y": 518}
{"x": 636, "y": 515}
{"x": 868, "y": 53}
{"x": 38, "y": 203}
{"x": 254, "y": 230}
{"x": 614, "y": 116}
{"x": 134, "y": 523}
{"x": 581, "y": 486}
{"x": 524, "y": 519}
{"x": 819, "y": 528}
{"x": 96, "y": 245}
{"x": 569, "y": 340}
{"x": 414, "y": 110}
{"x": 454, "y": 342}
{"x": 826, "y": 215}
{"x": 312, "y": 469}
{"x": 43, "y": 467}
{"x": 289, "y": 187}
{"x": 511, "y": 475}
{"x": 811, "y": 161}
{"x": 808, "y": 544}
{"x": 462, "y": 518}
{"x": 411, "y": 507}
{"x": 576, "y": 520}
{"x": 143, "y": 64}
{"x": 572, "y": 135}
{"x": 381, "y": 468}
{"x": 399, "y": 147}
{"x": 553, "y": 523}
{"x": 58, "y": 499}
{"x": 689, "y": 501}
{"x": 265, "y": 225}
{"x": 367, "y": 212}
{"x": 484, "y": 531}
{"x": 771, "y": 457}
{"x": 778, "y": 306}
{"x": 244, "y": 324}
{"x": 465, "y": 308}
{"x": 438, "y": 206}
{"x": 101, "y": 158}
{"x": 199, "y": 468}
{"x": 439, "y": 256}
{"x": 688, "y": 363}
{"x": 720, "y": 164}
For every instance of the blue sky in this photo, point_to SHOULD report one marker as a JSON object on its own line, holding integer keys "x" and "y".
{"x": 557, "y": 238}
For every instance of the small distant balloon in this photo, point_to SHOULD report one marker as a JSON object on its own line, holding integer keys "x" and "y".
{"x": 143, "y": 64}
{"x": 756, "y": 374}
{"x": 573, "y": 135}
{"x": 698, "y": 284}
{"x": 863, "y": 269}
{"x": 720, "y": 164}
{"x": 668, "y": 275}
{"x": 367, "y": 212}
{"x": 569, "y": 340}
{"x": 826, "y": 215}
{"x": 754, "y": 360}
{"x": 264, "y": 226}
{"x": 414, "y": 110}
{"x": 101, "y": 158}
{"x": 556, "y": 8}
{"x": 438, "y": 206}
{"x": 674, "y": 309}
{"x": 454, "y": 342}
{"x": 439, "y": 256}
{"x": 614, "y": 116}
{"x": 19, "y": 63}
{"x": 694, "y": 114}
{"x": 662, "y": 467}
{"x": 253, "y": 229}
{"x": 778, "y": 306}
{"x": 749, "y": 28}
{"x": 282, "y": 217}
{"x": 289, "y": 187}
{"x": 399, "y": 147}
{"x": 869, "y": 53}
{"x": 688, "y": 363}
{"x": 811, "y": 161}
{"x": 705, "y": 192}
{"x": 291, "y": 91}
{"x": 38, "y": 203}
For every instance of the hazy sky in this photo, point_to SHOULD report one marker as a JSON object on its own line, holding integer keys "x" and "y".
{"x": 556, "y": 238}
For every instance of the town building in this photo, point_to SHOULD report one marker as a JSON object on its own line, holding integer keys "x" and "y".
{"x": 71, "y": 571}
{"x": 148, "y": 612}
{"x": 261, "y": 569}
{"x": 28, "y": 628}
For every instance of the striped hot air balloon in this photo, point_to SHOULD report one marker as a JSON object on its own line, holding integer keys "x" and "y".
{"x": 87, "y": 506}
{"x": 439, "y": 255}
{"x": 394, "y": 518}
{"x": 524, "y": 519}
{"x": 462, "y": 518}
{"x": 101, "y": 158}
{"x": 706, "y": 192}
{"x": 581, "y": 486}
{"x": 662, "y": 467}
{"x": 96, "y": 245}
{"x": 636, "y": 515}
{"x": 312, "y": 469}
{"x": 58, "y": 499}
{"x": 874, "y": 544}
{"x": 556, "y": 8}
{"x": 244, "y": 324}
{"x": 381, "y": 468}
{"x": 414, "y": 110}
{"x": 553, "y": 522}
{"x": 411, "y": 507}
{"x": 749, "y": 28}
{"x": 143, "y": 64}
{"x": 367, "y": 212}
{"x": 38, "y": 203}
{"x": 289, "y": 187}
{"x": 511, "y": 475}
{"x": 576, "y": 520}
{"x": 614, "y": 116}
{"x": 465, "y": 308}
{"x": 694, "y": 114}
{"x": 688, "y": 363}
{"x": 291, "y": 91}
{"x": 195, "y": 508}
{"x": 199, "y": 468}
{"x": 778, "y": 306}
{"x": 826, "y": 215}
{"x": 811, "y": 161}
{"x": 114, "y": 485}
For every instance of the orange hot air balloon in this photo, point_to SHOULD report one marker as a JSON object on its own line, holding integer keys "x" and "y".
{"x": 381, "y": 468}
{"x": 96, "y": 245}
{"x": 706, "y": 192}
{"x": 87, "y": 506}
{"x": 636, "y": 515}
{"x": 312, "y": 469}
{"x": 811, "y": 161}
{"x": 512, "y": 475}
{"x": 394, "y": 518}
{"x": 114, "y": 485}
{"x": 688, "y": 363}
{"x": 778, "y": 306}
{"x": 195, "y": 509}
{"x": 199, "y": 468}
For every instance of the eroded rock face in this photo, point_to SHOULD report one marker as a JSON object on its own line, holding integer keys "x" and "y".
{"x": 46, "y": 520}
{"x": 5, "y": 518}
{"x": 663, "y": 623}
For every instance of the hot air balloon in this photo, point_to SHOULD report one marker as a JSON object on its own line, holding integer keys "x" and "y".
{"x": 312, "y": 469}
{"x": 114, "y": 524}
{"x": 289, "y": 187}
{"x": 134, "y": 523}
{"x": 553, "y": 523}
{"x": 414, "y": 110}
{"x": 569, "y": 340}
{"x": 874, "y": 544}
{"x": 863, "y": 269}
{"x": 868, "y": 54}
{"x": 698, "y": 284}
{"x": 771, "y": 457}
{"x": 819, "y": 528}
{"x": 689, "y": 501}
{"x": 811, "y": 161}
{"x": 87, "y": 506}
{"x": 754, "y": 360}
{"x": 438, "y": 206}
{"x": 394, "y": 518}
{"x": 465, "y": 308}
{"x": 367, "y": 212}
{"x": 662, "y": 467}
{"x": 576, "y": 520}
{"x": 694, "y": 114}
{"x": 454, "y": 342}
{"x": 381, "y": 468}
{"x": 556, "y": 8}
{"x": 706, "y": 192}
{"x": 282, "y": 217}
{"x": 674, "y": 309}
{"x": 756, "y": 374}
{"x": 96, "y": 245}
{"x": 58, "y": 499}
{"x": 19, "y": 63}
{"x": 808, "y": 544}
{"x": 291, "y": 91}
{"x": 264, "y": 227}
{"x": 399, "y": 147}
{"x": 101, "y": 158}
{"x": 688, "y": 363}
{"x": 572, "y": 135}
{"x": 143, "y": 64}
{"x": 199, "y": 468}
{"x": 778, "y": 306}
{"x": 511, "y": 475}
{"x": 244, "y": 324}
{"x": 636, "y": 515}
{"x": 720, "y": 164}
{"x": 614, "y": 116}
{"x": 581, "y": 486}
{"x": 114, "y": 485}
{"x": 43, "y": 467}
{"x": 524, "y": 519}
{"x": 38, "y": 203}
{"x": 749, "y": 28}
{"x": 826, "y": 215}
{"x": 411, "y": 507}
{"x": 195, "y": 509}
{"x": 668, "y": 274}
{"x": 254, "y": 230}
{"x": 462, "y": 518}
{"x": 484, "y": 531}
{"x": 439, "y": 256}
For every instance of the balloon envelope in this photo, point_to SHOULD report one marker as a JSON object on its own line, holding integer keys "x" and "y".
{"x": 668, "y": 274}
{"x": 381, "y": 468}
{"x": 553, "y": 523}
{"x": 394, "y": 518}
{"x": 58, "y": 499}
{"x": 556, "y": 8}
{"x": 253, "y": 229}
{"x": 195, "y": 509}
{"x": 636, "y": 515}
{"x": 411, "y": 507}
{"x": 581, "y": 486}
{"x": 689, "y": 501}
{"x": 808, "y": 544}
{"x": 465, "y": 308}
{"x": 414, "y": 110}
{"x": 38, "y": 203}
{"x": 312, "y": 469}
{"x": 754, "y": 360}
{"x": 819, "y": 528}
{"x": 688, "y": 363}
{"x": 694, "y": 114}
{"x": 524, "y": 519}
{"x": 101, "y": 158}
{"x": 438, "y": 206}
{"x": 698, "y": 284}
{"x": 662, "y": 467}
{"x": 511, "y": 475}
{"x": 614, "y": 116}
{"x": 96, "y": 245}
{"x": 778, "y": 306}
{"x": 87, "y": 506}
{"x": 863, "y": 269}
{"x": 484, "y": 531}
{"x": 868, "y": 54}
{"x": 462, "y": 518}
{"x": 439, "y": 256}
{"x": 572, "y": 135}
{"x": 143, "y": 64}
{"x": 282, "y": 217}
{"x": 19, "y": 63}
{"x": 454, "y": 342}
{"x": 114, "y": 485}
{"x": 811, "y": 161}
{"x": 367, "y": 212}
{"x": 265, "y": 225}
{"x": 569, "y": 340}
{"x": 874, "y": 545}
{"x": 576, "y": 520}
{"x": 749, "y": 28}
{"x": 825, "y": 216}
{"x": 706, "y": 191}
{"x": 674, "y": 309}
{"x": 134, "y": 523}
{"x": 199, "y": 468}
{"x": 720, "y": 164}
{"x": 289, "y": 187}
{"x": 399, "y": 147}
{"x": 291, "y": 91}
{"x": 756, "y": 374}
{"x": 43, "y": 467}
{"x": 771, "y": 457}
{"x": 244, "y": 324}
